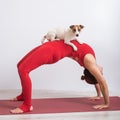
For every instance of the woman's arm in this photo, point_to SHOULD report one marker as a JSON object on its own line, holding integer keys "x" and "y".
{"x": 90, "y": 64}
{"x": 98, "y": 91}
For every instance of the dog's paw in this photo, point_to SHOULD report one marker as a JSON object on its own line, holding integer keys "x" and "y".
{"x": 81, "y": 42}
{"x": 75, "y": 48}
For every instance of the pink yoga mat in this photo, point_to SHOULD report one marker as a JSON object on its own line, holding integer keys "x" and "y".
{"x": 60, "y": 105}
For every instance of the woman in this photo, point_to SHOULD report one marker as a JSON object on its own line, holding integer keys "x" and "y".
{"x": 50, "y": 53}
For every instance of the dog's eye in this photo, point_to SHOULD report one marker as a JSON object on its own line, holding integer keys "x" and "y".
{"x": 79, "y": 30}
{"x": 74, "y": 30}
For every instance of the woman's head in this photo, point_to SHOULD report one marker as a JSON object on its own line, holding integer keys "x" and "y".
{"x": 88, "y": 77}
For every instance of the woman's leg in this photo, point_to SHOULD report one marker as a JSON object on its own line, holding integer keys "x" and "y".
{"x": 91, "y": 65}
{"x": 47, "y": 53}
{"x": 21, "y": 63}
{"x": 28, "y": 63}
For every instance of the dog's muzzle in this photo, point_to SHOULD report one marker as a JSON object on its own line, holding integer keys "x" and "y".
{"x": 77, "y": 35}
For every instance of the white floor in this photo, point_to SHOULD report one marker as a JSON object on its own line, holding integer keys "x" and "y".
{"x": 108, "y": 115}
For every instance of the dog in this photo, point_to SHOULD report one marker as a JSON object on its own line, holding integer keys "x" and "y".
{"x": 64, "y": 34}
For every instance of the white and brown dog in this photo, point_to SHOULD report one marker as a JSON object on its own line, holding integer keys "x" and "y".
{"x": 64, "y": 34}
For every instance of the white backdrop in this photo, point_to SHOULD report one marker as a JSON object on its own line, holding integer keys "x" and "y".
{"x": 24, "y": 22}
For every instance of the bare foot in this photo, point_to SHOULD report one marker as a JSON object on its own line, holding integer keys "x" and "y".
{"x": 19, "y": 111}
{"x": 16, "y": 111}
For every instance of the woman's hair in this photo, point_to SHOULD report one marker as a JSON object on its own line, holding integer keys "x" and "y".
{"x": 88, "y": 77}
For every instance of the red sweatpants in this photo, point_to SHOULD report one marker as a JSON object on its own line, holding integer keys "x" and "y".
{"x": 47, "y": 53}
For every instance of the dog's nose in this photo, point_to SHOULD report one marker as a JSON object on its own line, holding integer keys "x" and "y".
{"x": 77, "y": 35}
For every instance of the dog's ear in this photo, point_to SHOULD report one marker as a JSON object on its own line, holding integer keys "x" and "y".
{"x": 81, "y": 26}
{"x": 71, "y": 26}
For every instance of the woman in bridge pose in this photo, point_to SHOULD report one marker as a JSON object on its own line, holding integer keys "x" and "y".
{"x": 49, "y": 53}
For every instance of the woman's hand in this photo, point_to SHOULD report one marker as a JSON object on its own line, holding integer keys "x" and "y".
{"x": 101, "y": 106}
{"x": 95, "y": 98}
